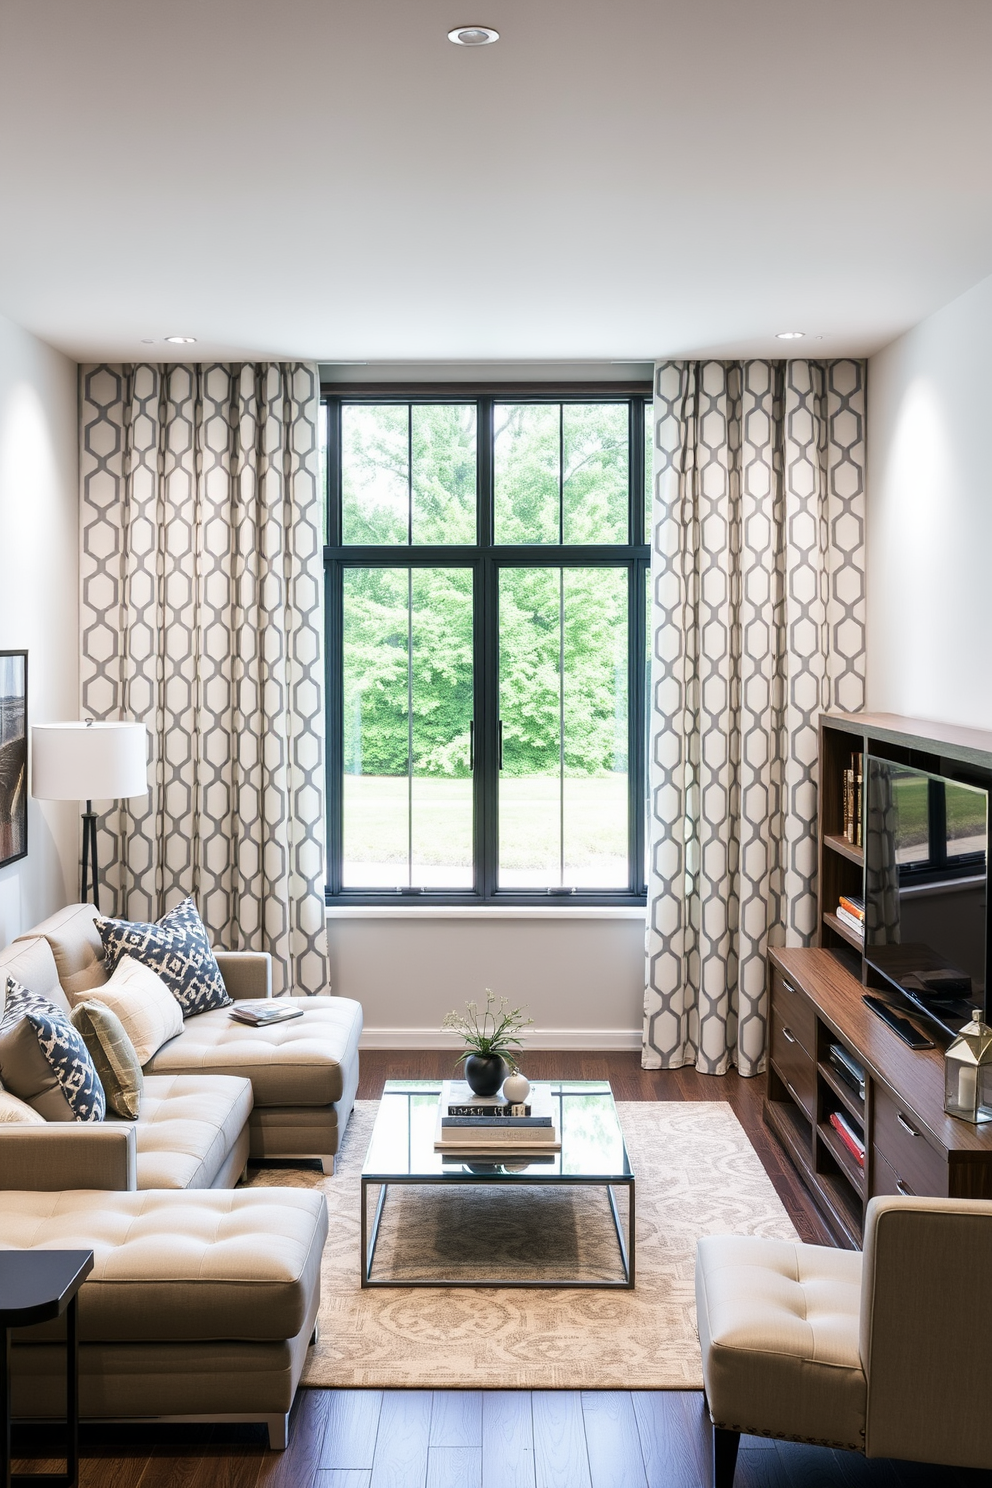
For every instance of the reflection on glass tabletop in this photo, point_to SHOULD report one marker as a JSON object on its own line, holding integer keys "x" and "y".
{"x": 592, "y": 1144}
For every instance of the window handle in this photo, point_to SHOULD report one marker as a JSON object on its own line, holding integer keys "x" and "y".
{"x": 499, "y": 738}
{"x": 471, "y": 745}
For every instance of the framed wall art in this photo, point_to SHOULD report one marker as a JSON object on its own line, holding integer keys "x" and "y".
{"x": 13, "y": 756}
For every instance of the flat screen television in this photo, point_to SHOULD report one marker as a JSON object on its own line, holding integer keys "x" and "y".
{"x": 926, "y": 879}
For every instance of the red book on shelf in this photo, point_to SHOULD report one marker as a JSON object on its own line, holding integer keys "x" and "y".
{"x": 853, "y": 1143}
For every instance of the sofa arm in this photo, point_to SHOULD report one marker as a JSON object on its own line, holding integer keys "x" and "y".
{"x": 68, "y": 1154}
{"x": 246, "y": 973}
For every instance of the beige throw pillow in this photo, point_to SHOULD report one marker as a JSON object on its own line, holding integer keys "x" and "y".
{"x": 113, "y": 1055}
{"x": 15, "y": 1112}
{"x": 147, "y": 1009}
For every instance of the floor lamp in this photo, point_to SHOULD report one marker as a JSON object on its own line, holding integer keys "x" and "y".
{"x": 88, "y": 762}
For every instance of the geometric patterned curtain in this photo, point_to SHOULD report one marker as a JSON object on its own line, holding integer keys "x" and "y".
{"x": 758, "y": 624}
{"x": 201, "y": 616}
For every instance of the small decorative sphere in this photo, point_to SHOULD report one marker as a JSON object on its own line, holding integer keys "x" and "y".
{"x": 516, "y": 1088}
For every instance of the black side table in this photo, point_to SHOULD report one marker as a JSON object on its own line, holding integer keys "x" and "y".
{"x": 36, "y": 1285}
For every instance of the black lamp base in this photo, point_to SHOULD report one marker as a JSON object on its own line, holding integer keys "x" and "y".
{"x": 91, "y": 873}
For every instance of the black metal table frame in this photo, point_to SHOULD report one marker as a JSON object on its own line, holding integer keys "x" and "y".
{"x": 385, "y": 1180}
{"x": 70, "y": 1478}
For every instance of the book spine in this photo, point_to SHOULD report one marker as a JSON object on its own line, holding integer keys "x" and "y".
{"x": 854, "y": 1147}
{"x": 848, "y": 805}
{"x": 850, "y": 921}
{"x": 503, "y": 1123}
{"x": 858, "y": 799}
{"x": 495, "y": 1113}
{"x": 852, "y": 909}
{"x": 506, "y": 1138}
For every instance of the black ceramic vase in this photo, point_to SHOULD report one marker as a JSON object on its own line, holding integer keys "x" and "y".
{"x": 484, "y": 1073}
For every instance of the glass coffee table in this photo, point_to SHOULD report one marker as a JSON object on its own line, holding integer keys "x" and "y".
{"x": 518, "y": 1204}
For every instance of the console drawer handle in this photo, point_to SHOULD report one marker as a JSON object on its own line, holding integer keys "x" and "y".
{"x": 789, "y": 1035}
{"x": 904, "y": 1189}
{"x": 788, "y": 987}
{"x": 906, "y": 1126}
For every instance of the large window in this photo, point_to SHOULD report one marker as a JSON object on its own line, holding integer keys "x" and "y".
{"x": 486, "y": 574}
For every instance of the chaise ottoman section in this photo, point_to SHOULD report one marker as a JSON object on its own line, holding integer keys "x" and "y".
{"x": 200, "y": 1303}
{"x": 192, "y": 1132}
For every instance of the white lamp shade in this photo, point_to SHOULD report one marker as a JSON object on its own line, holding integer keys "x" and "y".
{"x": 88, "y": 761}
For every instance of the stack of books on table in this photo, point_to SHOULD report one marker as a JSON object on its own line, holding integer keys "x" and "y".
{"x": 484, "y": 1124}
{"x": 851, "y": 912}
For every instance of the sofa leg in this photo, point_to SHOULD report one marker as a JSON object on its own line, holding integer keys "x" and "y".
{"x": 278, "y": 1432}
{"x": 314, "y": 1336}
{"x": 327, "y": 1164}
{"x": 725, "y": 1444}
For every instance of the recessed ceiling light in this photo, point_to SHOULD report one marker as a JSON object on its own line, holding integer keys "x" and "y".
{"x": 473, "y": 35}
{"x": 181, "y": 340}
{"x": 147, "y": 342}
{"x": 789, "y": 335}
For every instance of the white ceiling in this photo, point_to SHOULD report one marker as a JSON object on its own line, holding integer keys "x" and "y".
{"x": 613, "y": 179}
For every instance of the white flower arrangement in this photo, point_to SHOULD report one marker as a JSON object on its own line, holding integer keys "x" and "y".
{"x": 494, "y": 1031}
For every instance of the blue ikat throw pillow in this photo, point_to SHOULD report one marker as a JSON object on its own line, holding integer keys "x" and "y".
{"x": 177, "y": 949}
{"x": 43, "y": 1060}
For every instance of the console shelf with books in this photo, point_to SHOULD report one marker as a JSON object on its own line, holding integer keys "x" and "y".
{"x": 857, "y": 1110}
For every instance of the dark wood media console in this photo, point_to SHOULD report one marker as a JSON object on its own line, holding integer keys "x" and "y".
{"x": 911, "y": 1147}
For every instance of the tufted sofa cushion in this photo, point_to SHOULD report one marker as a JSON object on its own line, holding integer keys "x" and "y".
{"x": 187, "y": 1127}
{"x": 798, "y": 1308}
{"x": 297, "y": 1063}
{"x": 180, "y": 1266}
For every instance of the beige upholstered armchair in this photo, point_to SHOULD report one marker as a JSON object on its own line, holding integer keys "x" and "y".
{"x": 884, "y": 1353}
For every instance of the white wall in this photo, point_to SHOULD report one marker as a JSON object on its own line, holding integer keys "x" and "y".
{"x": 930, "y": 517}
{"x": 579, "y": 974}
{"x": 38, "y": 589}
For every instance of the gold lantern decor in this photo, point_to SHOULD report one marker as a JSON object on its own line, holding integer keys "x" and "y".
{"x": 968, "y": 1072}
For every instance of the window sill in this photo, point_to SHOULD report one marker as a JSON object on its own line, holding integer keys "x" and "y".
{"x": 486, "y": 912}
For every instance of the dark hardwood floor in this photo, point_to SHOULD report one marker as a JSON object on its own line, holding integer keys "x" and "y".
{"x": 496, "y": 1438}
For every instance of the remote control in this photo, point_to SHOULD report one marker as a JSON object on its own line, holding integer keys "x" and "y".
{"x": 898, "y": 1024}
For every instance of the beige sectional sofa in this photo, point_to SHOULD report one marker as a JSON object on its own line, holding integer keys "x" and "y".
{"x": 191, "y": 1131}
{"x": 202, "y": 1301}
{"x": 304, "y": 1072}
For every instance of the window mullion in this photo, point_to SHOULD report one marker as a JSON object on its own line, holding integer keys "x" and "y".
{"x": 487, "y": 668}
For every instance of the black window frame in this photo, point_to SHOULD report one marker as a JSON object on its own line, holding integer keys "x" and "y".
{"x": 486, "y": 558}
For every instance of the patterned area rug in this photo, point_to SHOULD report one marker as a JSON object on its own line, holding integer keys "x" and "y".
{"x": 696, "y": 1174}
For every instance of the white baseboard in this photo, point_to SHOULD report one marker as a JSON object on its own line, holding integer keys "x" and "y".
{"x": 600, "y": 1040}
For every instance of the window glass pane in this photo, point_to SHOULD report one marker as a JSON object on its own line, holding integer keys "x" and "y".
{"x": 595, "y": 477}
{"x": 563, "y": 707}
{"x": 443, "y": 444}
{"x": 526, "y": 463}
{"x": 530, "y": 711}
{"x": 648, "y": 471}
{"x": 375, "y": 486}
{"x": 407, "y": 710}
{"x": 441, "y": 695}
{"x": 595, "y": 741}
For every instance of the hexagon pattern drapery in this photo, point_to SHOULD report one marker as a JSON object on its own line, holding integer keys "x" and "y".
{"x": 201, "y": 615}
{"x": 757, "y": 623}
